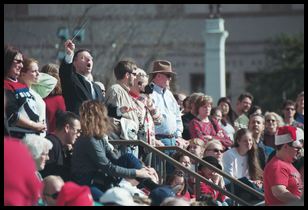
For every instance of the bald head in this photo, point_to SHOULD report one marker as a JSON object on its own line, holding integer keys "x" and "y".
{"x": 52, "y": 186}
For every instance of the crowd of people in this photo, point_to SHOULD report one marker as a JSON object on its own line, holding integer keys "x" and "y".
{"x": 59, "y": 125}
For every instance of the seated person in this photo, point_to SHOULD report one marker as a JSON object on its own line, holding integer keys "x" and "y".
{"x": 209, "y": 174}
{"x": 94, "y": 162}
{"x": 179, "y": 184}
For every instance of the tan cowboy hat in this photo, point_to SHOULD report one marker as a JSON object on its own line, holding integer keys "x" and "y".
{"x": 162, "y": 66}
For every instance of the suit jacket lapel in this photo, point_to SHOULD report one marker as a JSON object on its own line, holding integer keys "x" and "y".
{"x": 84, "y": 86}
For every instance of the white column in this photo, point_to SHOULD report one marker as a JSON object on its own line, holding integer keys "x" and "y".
{"x": 215, "y": 76}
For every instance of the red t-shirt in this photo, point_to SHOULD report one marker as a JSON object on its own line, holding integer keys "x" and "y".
{"x": 53, "y": 103}
{"x": 215, "y": 194}
{"x": 278, "y": 172}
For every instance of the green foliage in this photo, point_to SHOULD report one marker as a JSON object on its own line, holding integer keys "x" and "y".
{"x": 283, "y": 74}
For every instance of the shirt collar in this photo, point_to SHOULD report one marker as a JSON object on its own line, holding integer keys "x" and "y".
{"x": 159, "y": 89}
{"x": 12, "y": 79}
{"x": 124, "y": 86}
{"x": 86, "y": 78}
{"x": 134, "y": 95}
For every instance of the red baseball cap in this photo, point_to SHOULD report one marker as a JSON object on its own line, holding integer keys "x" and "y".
{"x": 21, "y": 184}
{"x": 72, "y": 194}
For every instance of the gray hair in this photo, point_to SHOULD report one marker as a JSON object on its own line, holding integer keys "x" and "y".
{"x": 36, "y": 144}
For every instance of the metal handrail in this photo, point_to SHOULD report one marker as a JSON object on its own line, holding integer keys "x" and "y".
{"x": 181, "y": 167}
{"x": 234, "y": 180}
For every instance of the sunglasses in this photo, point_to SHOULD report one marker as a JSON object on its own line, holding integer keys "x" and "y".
{"x": 216, "y": 150}
{"x": 270, "y": 120}
{"x": 296, "y": 148}
{"x": 77, "y": 131}
{"x": 168, "y": 75}
{"x": 54, "y": 196}
{"x": 18, "y": 61}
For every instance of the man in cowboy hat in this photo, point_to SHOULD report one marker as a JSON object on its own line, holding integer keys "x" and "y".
{"x": 282, "y": 181}
{"x": 171, "y": 128}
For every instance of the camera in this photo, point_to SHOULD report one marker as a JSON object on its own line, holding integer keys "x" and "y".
{"x": 149, "y": 88}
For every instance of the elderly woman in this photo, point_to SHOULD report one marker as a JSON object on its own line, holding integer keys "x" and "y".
{"x": 272, "y": 122}
{"x": 147, "y": 112}
{"x": 39, "y": 148}
{"x": 94, "y": 160}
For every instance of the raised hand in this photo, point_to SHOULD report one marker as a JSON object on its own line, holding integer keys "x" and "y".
{"x": 69, "y": 47}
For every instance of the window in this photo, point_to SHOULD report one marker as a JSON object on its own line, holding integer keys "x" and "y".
{"x": 197, "y": 82}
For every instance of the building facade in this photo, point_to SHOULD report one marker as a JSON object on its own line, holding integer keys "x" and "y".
{"x": 153, "y": 31}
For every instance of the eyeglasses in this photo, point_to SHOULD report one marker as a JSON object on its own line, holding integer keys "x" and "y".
{"x": 289, "y": 109}
{"x": 77, "y": 131}
{"x": 54, "y": 196}
{"x": 297, "y": 149}
{"x": 18, "y": 61}
{"x": 270, "y": 120}
{"x": 216, "y": 150}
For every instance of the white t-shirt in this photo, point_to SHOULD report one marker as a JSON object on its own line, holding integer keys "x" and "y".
{"x": 235, "y": 164}
{"x": 229, "y": 130}
{"x": 41, "y": 108}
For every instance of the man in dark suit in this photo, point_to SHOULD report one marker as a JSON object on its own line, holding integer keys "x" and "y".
{"x": 74, "y": 73}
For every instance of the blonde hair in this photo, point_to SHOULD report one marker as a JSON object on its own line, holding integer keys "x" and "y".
{"x": 198, "y": 142}
{"x": 141, "y": 75}
{"x": 94, "y": 119}
{"x": 278, "y": 118}
{"x": 212, "y": 142}
{"x": 26, "y": 64}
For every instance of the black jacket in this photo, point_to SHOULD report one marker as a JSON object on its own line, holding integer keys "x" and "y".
{"x": 93, "y": 155}
{"x": 59, "y": 162}
{"x": 76, "y": 89}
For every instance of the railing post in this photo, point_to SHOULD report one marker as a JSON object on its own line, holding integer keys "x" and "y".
{"x": 197, "y": 176}
{"x": 198, "y": 190}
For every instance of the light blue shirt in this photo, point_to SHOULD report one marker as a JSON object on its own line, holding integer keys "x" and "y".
{"x": 165, "y": 102}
